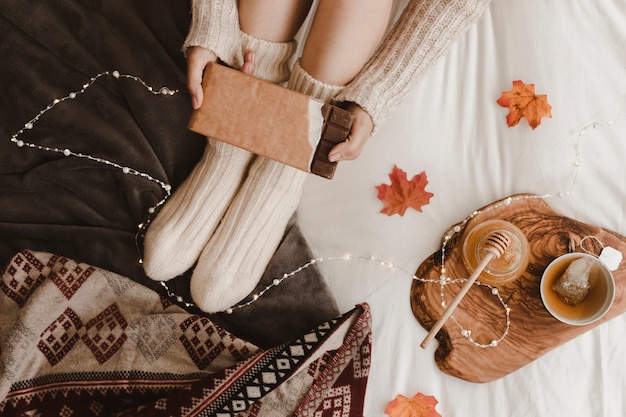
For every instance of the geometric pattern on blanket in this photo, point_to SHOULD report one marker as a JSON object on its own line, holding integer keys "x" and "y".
{"x": 76, "y": 340}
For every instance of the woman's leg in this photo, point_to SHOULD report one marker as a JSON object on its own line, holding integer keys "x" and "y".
{"x": 344, "y": 34}
{"x": 273, "y": 20}
{"x": 182, "y": 228}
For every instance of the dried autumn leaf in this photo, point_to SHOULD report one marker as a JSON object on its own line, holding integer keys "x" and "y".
{"x": 402, "y": 193}
{"x": 419, "y": 406}
{"x": 523, "y": 102}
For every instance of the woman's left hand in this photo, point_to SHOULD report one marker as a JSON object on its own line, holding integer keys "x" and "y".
{"x": 361, "y": 130}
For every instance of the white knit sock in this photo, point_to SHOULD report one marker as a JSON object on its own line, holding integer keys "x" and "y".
{"x": 272, "y": 58}
{"x": 237, "y": 254}
{"x": 175, "y": 239}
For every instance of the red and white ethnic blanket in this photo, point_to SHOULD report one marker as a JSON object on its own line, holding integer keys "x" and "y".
{"x": 76, "y": 340}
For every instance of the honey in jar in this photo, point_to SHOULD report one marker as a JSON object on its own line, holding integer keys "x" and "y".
{"x": 509, "y": 266}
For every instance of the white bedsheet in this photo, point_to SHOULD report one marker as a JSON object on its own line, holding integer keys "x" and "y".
{"x": 452, "y": 128}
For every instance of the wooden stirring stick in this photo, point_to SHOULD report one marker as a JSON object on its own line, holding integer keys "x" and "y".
{"x": 495, "y": 246}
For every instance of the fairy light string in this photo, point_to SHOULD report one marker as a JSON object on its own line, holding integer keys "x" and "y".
{"x": 28, "y": 126}
{"x": 443, "y": 280}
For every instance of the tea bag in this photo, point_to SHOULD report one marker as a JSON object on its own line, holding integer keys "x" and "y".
{"x": 574, "y": 285}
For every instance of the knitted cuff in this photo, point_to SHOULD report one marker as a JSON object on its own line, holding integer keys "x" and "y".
{"x": 272, "y": 58}
{"x": 215, "y": 26}
{"x": 424, "y": 32}
{"x": 304, "y": 82}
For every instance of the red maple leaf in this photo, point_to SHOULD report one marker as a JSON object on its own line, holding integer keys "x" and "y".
{"x": 523, "y": 102}
{"x": 402, "y": 193}
{"x": 419, "y": 406}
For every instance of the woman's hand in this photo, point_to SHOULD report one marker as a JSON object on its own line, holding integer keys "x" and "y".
{"x": 361, "y": 130}
{"x": 197, "y": 59}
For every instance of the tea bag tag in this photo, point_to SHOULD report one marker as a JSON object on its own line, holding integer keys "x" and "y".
{"x": 611, "y": 257}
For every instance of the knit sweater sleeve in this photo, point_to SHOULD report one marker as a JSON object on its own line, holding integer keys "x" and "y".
{"x": 424, "y": 32}
{"x": 215, "y": 26}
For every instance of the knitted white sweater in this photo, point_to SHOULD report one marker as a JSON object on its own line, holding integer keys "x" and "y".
{"x": 215, "y": 26}
{"x": 423, "y": 33}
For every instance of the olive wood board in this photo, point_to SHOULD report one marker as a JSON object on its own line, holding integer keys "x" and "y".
{"x": 533, "y": 331}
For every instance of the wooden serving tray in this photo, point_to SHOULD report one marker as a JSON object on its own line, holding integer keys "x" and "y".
{"x": 533, "y": 331}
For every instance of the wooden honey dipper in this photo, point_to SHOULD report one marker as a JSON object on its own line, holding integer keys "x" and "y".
{"x": 497, "y": 243}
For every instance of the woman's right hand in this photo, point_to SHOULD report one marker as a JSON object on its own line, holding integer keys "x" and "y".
{"x": 197, "y": 59}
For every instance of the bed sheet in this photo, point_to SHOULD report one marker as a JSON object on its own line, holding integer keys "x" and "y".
{"x": 452, "y": 129}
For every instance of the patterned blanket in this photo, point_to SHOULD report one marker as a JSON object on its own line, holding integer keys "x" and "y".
{"x": 76, "y": 340}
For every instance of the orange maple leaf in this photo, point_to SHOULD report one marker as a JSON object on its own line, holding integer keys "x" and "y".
{"x": 402, "y": 194}
{"x": 523, "y": 102}
{"x": 419, "y": 406}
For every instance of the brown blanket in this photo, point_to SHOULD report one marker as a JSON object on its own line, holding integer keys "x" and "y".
{"x": 88, "y": 211}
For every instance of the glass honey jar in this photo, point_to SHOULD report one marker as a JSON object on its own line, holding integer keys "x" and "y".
{"x": 509, "y": 266}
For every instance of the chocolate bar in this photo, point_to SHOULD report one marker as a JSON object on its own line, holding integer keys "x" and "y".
{"x": 337, "y": 125}
{"x": 270, "y": 120}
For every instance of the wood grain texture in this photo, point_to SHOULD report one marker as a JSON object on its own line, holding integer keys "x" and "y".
{"x": 533, "y": 331}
